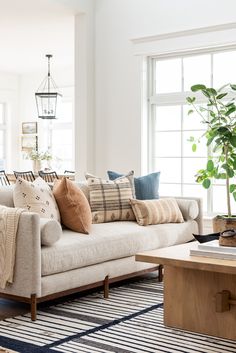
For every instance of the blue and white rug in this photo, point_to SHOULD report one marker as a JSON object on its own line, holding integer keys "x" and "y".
{"x": 130, "y": 321}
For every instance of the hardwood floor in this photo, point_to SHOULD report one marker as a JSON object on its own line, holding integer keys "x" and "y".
{"x": 9, "y": 308}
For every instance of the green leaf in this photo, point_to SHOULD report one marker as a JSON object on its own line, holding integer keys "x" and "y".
{"x": 210, "y": 165}
{"x": 209, "y": 140}
{"x": 190, "y": 111}
{"x": 222, "y": 159}
{"x": 207, "y": 94}
{"x": 233, "y": 140}
{"x": 206, "y": 183}
{"x": 217, "y": 147}
{"x": 230, "y": 172}
{"x": 231, "y": 110}
{"x": 191, "y": 139}
{"x": 222, "y": 176}
{"x": 194, "y": 147}
{"x": 222, "y": 95}
{"x": 190, "y": 100}
{"x": 212, "y": 91}
{"x": 197, "y": 87}
{"x": 218, "y": 140}
{"x": 201, "y": 171}
{"x": 223, "y": 130}
{"x": 233, "y": 87}
{"x": 234, "y": 195}
{"x": 229, "y": 104}
{"x": 232, "y": 188}
{"x": 224, "y": 120}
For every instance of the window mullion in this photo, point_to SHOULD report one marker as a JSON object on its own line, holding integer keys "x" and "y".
{"x": 209, "y": 153}
{"x": 151, "y": 118}
{"x": 182, "y": 125}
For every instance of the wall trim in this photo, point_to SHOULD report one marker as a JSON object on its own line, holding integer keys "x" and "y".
{"x": 184, "y": 33}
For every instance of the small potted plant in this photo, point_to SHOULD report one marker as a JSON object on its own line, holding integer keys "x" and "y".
{"x": 219, "y": 117}
{"x": 37, "y": 158}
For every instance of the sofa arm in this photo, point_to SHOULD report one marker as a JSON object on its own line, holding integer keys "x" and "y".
{"x": 27, "y": 271}
{"x": 192, "y": 208}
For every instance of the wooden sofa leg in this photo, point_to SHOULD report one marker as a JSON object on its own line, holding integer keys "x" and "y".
{"x": 160, "y": 273}
{"x": 106, "y": 287}
{"x": 33, "y": 307}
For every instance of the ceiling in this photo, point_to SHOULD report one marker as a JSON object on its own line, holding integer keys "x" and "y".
{"x": 29, "y": 29}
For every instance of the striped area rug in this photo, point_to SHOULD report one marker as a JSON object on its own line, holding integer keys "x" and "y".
{"x": 130, "y": 321}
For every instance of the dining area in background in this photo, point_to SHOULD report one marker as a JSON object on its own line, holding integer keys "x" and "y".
{"x": 7, "y": 179}
{"x": 43, "y": 152}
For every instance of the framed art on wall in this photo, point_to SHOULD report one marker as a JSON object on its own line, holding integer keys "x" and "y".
{"x": 30, "y": 127}
{"x": 29, "y": 142}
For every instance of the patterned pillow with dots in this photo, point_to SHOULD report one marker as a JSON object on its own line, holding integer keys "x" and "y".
{"x": 36, "y": 197}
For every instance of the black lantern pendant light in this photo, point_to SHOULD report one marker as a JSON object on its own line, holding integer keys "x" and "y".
{"x": 47, "y": 96}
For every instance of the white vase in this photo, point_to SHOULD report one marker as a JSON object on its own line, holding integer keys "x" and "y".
{"x": 36, "y": 166}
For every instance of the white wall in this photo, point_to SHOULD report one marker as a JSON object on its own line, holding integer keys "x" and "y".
{"x": 9, "y": 91}
{"x": 118, "y": 98}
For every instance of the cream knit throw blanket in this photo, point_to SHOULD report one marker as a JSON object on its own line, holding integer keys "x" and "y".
{"x": 9, "y": 218}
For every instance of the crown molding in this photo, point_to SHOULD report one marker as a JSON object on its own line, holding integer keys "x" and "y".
{"x": 189, "y": 32}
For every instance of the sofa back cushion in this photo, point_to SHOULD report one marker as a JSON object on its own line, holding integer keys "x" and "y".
{"x": 73, "y": 205}
{"x": 156, "y": 211}
{"x": 109, "y": 200}
{"x": 83, "y": 185}
{"x": 36, "y": 197}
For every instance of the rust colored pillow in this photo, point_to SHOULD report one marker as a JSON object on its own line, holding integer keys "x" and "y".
{"x": 73, "y": 206}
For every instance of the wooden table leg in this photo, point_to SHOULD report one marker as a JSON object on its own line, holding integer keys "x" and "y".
{"x": 160, "y": 273}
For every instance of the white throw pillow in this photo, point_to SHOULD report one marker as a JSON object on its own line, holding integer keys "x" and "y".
{"x": 36, "y": 197}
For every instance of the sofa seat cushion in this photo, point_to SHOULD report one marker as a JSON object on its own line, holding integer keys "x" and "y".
{"x": 110, "y": 241}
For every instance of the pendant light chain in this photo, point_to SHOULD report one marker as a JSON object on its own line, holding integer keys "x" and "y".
{"x": 47, "y": 95}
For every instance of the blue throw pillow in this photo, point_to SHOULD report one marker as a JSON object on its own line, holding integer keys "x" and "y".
{"x": 146, "y": 187}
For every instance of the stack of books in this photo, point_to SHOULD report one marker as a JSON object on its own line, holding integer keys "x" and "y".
{"x": 214, "y": 250}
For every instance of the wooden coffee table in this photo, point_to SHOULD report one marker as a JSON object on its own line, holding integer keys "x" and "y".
{"x": 199, "y": 292}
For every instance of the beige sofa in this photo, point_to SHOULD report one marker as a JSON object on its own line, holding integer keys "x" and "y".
{"x": 78, "y": 261}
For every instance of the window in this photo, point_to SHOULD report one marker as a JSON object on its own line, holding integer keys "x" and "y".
{"x": 2, "y": 136}
{"x": 170, "y": 126}
{"x": 61, "y": 141}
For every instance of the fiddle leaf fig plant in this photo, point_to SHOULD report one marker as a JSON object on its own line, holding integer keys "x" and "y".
{"x": 219, "y": 117}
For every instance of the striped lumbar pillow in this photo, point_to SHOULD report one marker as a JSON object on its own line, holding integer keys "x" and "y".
{"x": 109, "y": 200}
{"x": 156, "y": 211}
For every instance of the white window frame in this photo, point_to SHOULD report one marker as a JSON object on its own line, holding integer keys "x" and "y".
{"x": 177, "y": 98}
{"x": 3, "y": 128}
